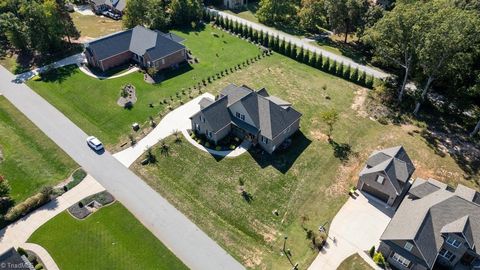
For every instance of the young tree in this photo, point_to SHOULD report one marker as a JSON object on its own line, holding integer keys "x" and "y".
{"x": 396, "y": 37}
{"x": 276, "y": 43}
{"x": 282, "y": 46}
{"x": 312, "y": 15}
{"x": 333, "y": 67}
{"x": 354, "y": 75}
{"x": 293, "y": 52}
{"x": 319, "y": 61}
{"x": 306, "y": 57}
{"x": 300, "y": 55}
{"x": 288, "y": 48}
{"x": 261, "y": 37}
{"x": 340, "y": 69}
{"x": 326, "y": 64}
{"x": 449, "y": 41}
{"x": 313, "y": 60}
{"x": 329, "y": 117}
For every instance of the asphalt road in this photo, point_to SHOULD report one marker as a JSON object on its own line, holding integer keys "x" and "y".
{"x": 177, "y": 232}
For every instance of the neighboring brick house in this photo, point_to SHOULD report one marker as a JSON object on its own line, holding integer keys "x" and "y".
{"x": 146, "y": 47}
{"x": 254, "y": 115}
{"x": 434, "y": 227}
{"x": 235, "y": 4}
{"x": 386, "y": 175}
{"x": 116, "y": 6}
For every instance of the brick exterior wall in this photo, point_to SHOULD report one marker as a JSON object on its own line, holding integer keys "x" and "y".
{"x": 169, "y": 60}
{"x": 116, "y": 60}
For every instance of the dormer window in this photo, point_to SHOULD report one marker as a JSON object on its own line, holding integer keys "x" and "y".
{"x": 453, "y": 242}
{"x": 408, "y": 246}
{"x": 240, "y": 116}
{"x": 380, "y": 179}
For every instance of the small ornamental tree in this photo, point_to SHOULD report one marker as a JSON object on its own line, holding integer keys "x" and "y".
{"x": 288, "y": 48}
{"x": 313, "y": 60}
{"x": 346, "y": 72}
{"x": 340, "y": 69}
{"x": 300, "y": 55}
{"x": 293, "y": 52}
{"x": 333, "y": 67}
{"x": 271, "y": 42}
{"x": 235, "y": 27}
{"x": 369, "y": 81}
{"x": 319, "y": 61}
{"x": 354, "y": 75}
{"x": 227, "y": 24}
{"x": 261, "y": 37}
{"x": 363, "y": 78}
{"x": 250, "y": 32}
{"x": 326, "y": 64}
{"x": 306, "y": 57}
{"x": 276, "y": 43}
{"x": 255, "y": 36}
{"x": 281, "y": 48}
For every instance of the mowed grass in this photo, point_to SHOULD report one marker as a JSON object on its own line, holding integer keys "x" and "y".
{"x": 354, "y": 262}
{"x": 31, "y": 159}
{"x": 310, "y": 180}
{"x": 92, "y": 104}
{"x": 111, "y": 238}
{"x": 92, "y": 26}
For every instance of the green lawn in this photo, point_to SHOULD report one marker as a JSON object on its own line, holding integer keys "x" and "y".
{"x": 91, "y": 103}
{"x": 108, "y": 239}
{"x": 354, "y": 262}
{"x": 31, "y": 159}
{"x": 308, "y": 180}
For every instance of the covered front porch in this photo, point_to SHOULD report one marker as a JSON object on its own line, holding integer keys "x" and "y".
{"x": 245, "y": 131}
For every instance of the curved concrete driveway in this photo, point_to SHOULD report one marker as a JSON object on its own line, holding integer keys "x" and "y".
{"x": 356, "y": 228}
{"x": 43, "y": 254}
{"x": 176, "y": 231}
{"x": 299, "y": 42}
{"x": 176, "y": 120}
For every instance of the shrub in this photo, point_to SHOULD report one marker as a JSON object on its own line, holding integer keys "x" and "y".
{"x": 28, "y": 205}
{"x": 379, "y": 259}
{"x": 232, "y": 147}
{"x": 39, "y": 266}
{"x": 354, "y": 75}
{"x": 333, "y": 67}
{"x": 21, "y": 251}
{"x": 207, "y": 144}
{"x": 218, "y": 148}
{"x": 372, "y": 251}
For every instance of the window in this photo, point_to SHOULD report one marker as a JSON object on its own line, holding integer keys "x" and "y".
{"x": 240, "y": 116}
{"x": 380, "y": 179}
{"x": 202, "y": 119}
{"x": 453, "y": 242}
{"x": 264, "y": 140}
{"x": 209, "y": 134}
{"x": 163, "y": 61}
{"x": 408, "y": 246}
{"x": 197, "y": 127}
{"x": 446, "y": 254}
{"x": 402, "y": 260}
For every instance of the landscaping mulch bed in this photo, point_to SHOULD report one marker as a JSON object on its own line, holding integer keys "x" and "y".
{"x": 81, "y": 210}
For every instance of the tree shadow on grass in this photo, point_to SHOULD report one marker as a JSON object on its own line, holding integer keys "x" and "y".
{"x": 342, "y": 151}
{"x": 59, "y": 75}
{"x": 282, "y": 160}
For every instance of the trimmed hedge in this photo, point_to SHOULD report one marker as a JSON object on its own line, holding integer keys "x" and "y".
{"x": 27, "y": 206}
{"x": 292, "y": 51}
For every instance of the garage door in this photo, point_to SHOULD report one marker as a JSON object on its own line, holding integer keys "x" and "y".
{"x": 377, "y": 194}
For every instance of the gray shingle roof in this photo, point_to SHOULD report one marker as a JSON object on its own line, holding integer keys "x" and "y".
{"x": 424, "y": 219}
{"x": 268, "y": 118}
{"x": 139, "y": 40}
{"x": 11, "y": 260}
{"x": 392, "y": 161}
{"x": 204, "y": 102}
{"x": 217, "y": 115}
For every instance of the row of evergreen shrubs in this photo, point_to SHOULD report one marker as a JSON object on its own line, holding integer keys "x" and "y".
{"x": 29, "y": 204}
{"x": 288, "y": 49}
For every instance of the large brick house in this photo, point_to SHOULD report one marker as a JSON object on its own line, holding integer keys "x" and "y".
{"x": 146, "y": 47}
{"x": 435, "y": 227}
{"x": 264, "y": 120}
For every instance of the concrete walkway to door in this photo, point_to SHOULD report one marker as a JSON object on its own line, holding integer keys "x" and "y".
{"x": 356, "y": 228}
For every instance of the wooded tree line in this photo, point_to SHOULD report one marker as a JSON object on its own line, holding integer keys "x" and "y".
{"x": 162, "y": 14}
{"x": 340, "y": 16}
{"x": 40, "y": 26}
{"x": 434, "y": 43}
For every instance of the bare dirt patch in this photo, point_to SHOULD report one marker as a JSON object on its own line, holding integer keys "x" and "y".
{"x": 318, "y": 135}
{"x": 253, "y": 259}
{"x": 347, "y": 175}
{"x": 358, "y": 104}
